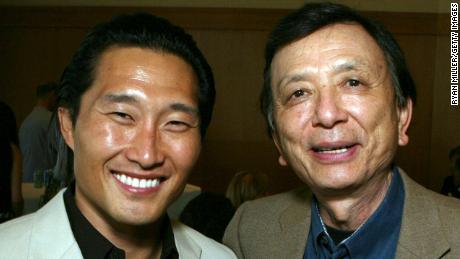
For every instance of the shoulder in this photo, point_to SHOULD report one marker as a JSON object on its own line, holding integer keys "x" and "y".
{"x": 430, "y": 210}
{"x": 189, "y": 240}
{"x": 417, "y": 193}
{"x": 34, "y": 234}
{"x": 272, "y": 206}
{"x": 258, "y": 223}
{"x": 448, "y": 211}
{"x": 15, "y": 236}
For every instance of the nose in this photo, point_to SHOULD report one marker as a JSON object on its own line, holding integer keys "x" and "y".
{"x": 328, "y": 109}
{"x": 146, "y": 149}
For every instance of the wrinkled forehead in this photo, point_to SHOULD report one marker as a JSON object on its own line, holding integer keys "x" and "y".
{"x": 333, "y": 43}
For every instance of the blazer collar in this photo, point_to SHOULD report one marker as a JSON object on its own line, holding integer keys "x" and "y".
{"x": 421, "y": 234}
{"x": 295, "y": 224}
{"x": 52, "y": 235}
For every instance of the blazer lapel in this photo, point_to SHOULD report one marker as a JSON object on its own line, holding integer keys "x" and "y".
{"x": 52, "y": 236}
{"x": 295, "y": 224}
{"x": 421, "y": 235}
{"x": 184, "y": 243}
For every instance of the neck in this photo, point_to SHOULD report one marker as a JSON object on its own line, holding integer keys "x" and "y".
{"x": 351, "y": 210}
{"x": 137, "y": 241}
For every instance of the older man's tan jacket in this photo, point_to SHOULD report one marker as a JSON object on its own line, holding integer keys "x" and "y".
{"x": 278, "y": 226}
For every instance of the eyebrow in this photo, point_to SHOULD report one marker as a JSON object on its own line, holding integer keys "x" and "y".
{"x": 293, "y": 79}
{"x": 184, "y": 108}
{"x": 338, "y": 68}
{"x": 120, "y": 98}
{"x": 126, "y": 98}
{"x": 346, "y": 66}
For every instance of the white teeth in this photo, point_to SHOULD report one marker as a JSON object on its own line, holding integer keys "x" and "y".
{"x": 334, "y": 151}
{"x": 136, "y": 182}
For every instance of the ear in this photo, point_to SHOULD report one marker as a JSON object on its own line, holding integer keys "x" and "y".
{"x": 281, "y": 160}
{"x": 66, "y": 126}
{"x": 405, "y": 116}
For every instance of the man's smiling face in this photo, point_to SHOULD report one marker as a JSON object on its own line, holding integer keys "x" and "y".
{"x": 136, "y": 137}
{"x": 336, "y": 119}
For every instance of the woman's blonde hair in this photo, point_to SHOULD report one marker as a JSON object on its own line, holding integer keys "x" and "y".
{"x": 246, "y": 186}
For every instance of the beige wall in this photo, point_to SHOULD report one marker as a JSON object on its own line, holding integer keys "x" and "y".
{"x": 427, "y": 6}
{"x": 36, "y": 44}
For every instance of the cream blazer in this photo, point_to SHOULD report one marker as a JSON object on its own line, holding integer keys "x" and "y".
{"x": 46, "y": 234}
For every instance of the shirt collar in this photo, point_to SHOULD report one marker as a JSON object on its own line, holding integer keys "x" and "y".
{"x": 93, "y": 244}
{"x": 379, "y": 233}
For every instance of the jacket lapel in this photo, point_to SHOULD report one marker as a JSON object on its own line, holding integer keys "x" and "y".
{"x": 184, "y": 243}
{"x": 295, "y": 224}
{"x": 52, "y": 236}
{"x": 421, "y": 234}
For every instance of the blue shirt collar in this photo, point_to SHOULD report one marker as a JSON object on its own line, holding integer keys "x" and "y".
{"x": 375, "y": 238}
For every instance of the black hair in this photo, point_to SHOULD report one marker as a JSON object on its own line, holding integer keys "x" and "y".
{"x": 314, "y": 16}
{"x": 129, "y": 30}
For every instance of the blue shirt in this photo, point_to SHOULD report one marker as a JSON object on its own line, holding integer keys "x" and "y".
{"x": 375, "y": 238}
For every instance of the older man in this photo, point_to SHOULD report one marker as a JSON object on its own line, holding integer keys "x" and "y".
{"x": 133, "y": 108}
{"x": 338, "y": 100}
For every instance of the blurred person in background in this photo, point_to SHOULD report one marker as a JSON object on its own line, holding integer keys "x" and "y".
{"x": 246, "y": 186}
{"x": 11, "y": 200}
{"x": 34, "y": 137}
{"x": 209, "y": 214}
{"x": 451, "y": 185}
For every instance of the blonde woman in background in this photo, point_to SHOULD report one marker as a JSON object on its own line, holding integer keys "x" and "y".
{"x": 245, "y": 186}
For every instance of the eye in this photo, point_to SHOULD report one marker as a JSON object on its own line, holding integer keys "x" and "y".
{"x": 177, "y": 126}
{"x": 298, "y": 93}
{"x": 121, "y": 117}
{"x": 353, "y": 83}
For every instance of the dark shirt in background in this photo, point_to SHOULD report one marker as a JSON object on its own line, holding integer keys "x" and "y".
{"x": 449, "y": 188}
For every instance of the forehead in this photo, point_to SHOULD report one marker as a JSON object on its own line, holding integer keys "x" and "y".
{"x": 333, "y": 43}
{"x": 133, "y": 67}
{"x": 130, "y": 61}
{"x": 148, "y": 77}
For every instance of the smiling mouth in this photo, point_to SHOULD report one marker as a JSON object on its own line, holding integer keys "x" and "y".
{"x": 332, "y": 150}
{"x": 138, "y": 182}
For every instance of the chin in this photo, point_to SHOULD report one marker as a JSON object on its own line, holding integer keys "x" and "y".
{"x": 138, "y": 217}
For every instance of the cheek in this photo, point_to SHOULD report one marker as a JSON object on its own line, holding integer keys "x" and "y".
{"x": 185, "y": 149}
{"x": 359, "y": 107}
{"x": 101, "y": 139}
{"x": 294, "y": 123}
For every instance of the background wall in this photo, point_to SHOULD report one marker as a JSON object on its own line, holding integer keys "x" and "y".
{"x": 37, "y": 42}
